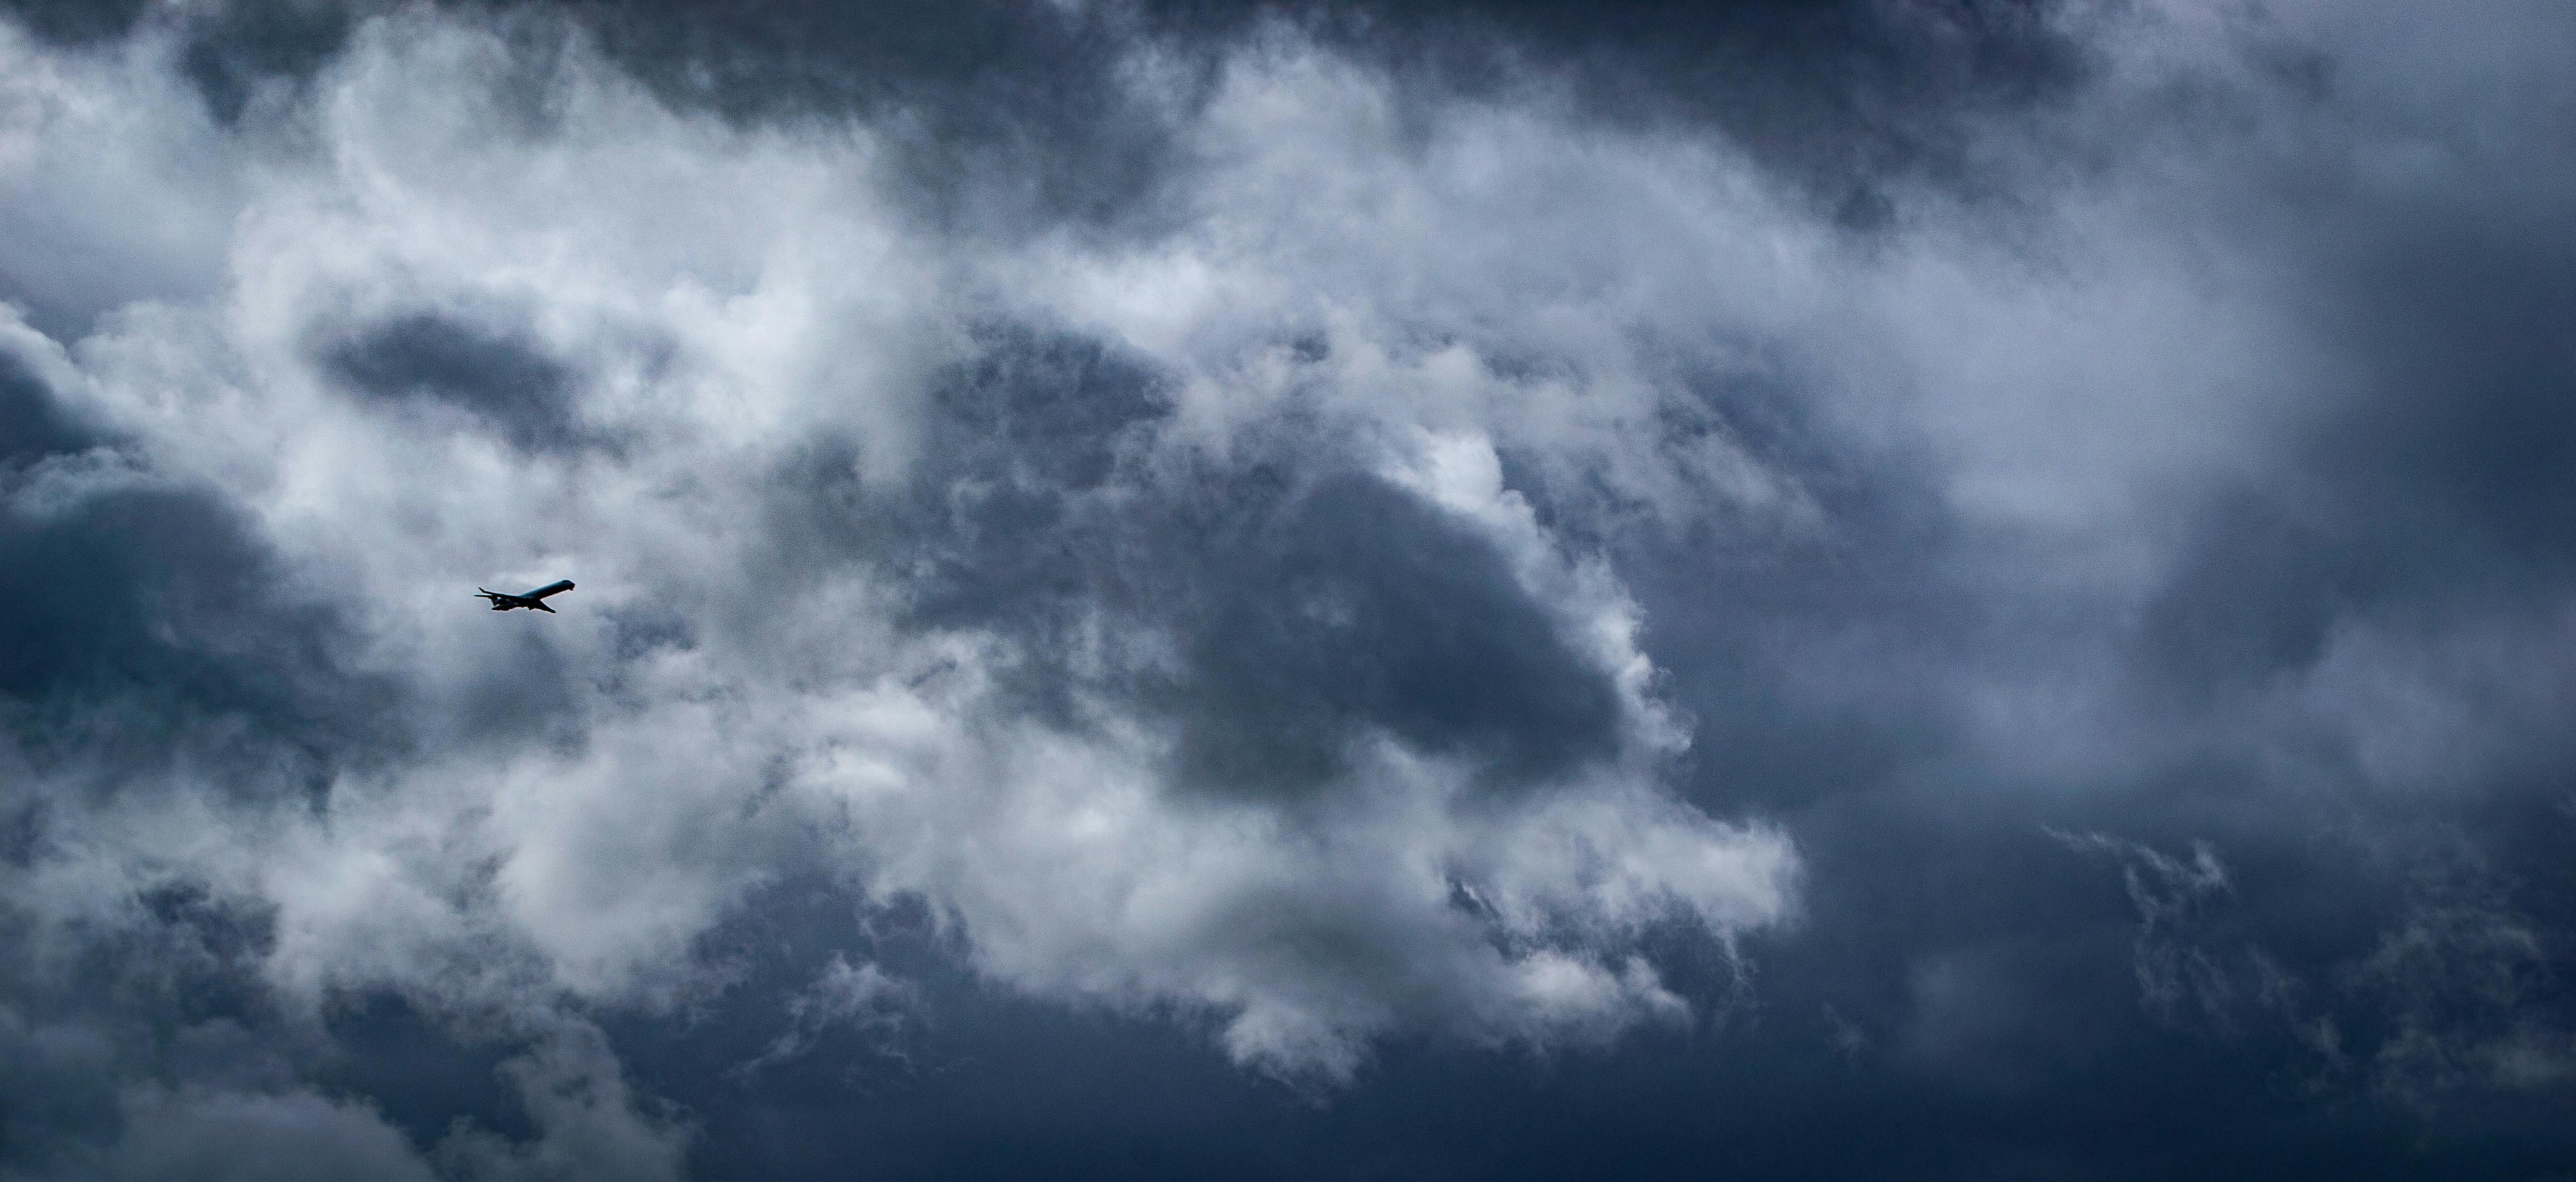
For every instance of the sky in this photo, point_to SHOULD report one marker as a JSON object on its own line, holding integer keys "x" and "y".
{"x": 1801, "y": 589}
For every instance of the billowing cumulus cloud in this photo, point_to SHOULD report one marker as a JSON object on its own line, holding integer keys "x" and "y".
{"x": 1181, "y": 652}
{"x": 1826, "y": 561}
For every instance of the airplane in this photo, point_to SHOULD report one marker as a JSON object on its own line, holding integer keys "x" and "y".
{"x": 533, "y": 599}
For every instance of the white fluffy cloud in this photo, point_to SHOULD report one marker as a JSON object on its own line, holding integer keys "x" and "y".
{"x": 706, "y": 305}
{"x": 458, "y": 312}
{"x": 1255, "y": 608}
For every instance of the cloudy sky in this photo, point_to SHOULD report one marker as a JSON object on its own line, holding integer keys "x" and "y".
{"x": 1794, "y": 589}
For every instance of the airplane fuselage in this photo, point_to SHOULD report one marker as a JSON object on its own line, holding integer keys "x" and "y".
{"x": 533, "y": 600}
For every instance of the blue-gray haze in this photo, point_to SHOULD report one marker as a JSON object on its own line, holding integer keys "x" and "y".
{"x": 1790, "y": 589}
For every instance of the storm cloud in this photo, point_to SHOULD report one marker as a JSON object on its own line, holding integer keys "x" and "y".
{"x": 1837, "y": 589}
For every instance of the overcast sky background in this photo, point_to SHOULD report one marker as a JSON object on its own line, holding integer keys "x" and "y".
{"x": 1837, "y": 589}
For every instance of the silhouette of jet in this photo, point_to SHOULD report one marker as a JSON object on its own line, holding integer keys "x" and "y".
{"x": 533, "y": 599}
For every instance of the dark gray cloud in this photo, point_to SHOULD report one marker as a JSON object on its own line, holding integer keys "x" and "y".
{"x": 72, "y": 21}
{"x": 1847, "y": 95}
{"x": 2090, "y": 482}
{"x": 229, "y": 51}
{"x": 1000, "y": 110}
{"x": 157, "y": 602}
{"x": 1853, "y": 99}
{"x": 505, "y": 383}
{"x": 1363, "y": 608}
{"x": 1294, "y": 610}
{"x": 234, "y": 49}
{"x": 31, "y": 421}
